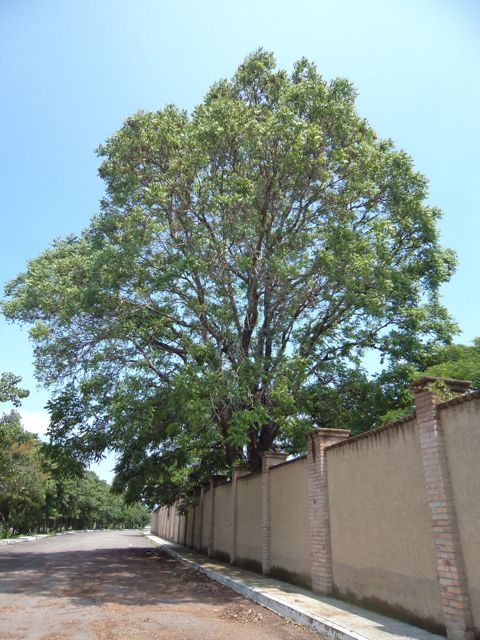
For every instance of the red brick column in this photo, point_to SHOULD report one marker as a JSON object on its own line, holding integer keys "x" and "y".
{"x": 185, "y": 529}
{"x": 191, "y": 516}
{"x": 237, "y": 472}
{"x": 179, "y": 522}
{"x": 319, "y": 513}
{"x": 198, "y": 546}
{"x": 197, "y": 500}
{"x": 269, "y": 459}
{"x": 457, "y": 613}
{"x": 183, "y": 522}
{"x": 214, "y": 481}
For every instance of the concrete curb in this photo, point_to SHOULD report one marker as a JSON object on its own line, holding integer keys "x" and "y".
{"x": 22, "y": 539}
{"x": 328, "y": 628}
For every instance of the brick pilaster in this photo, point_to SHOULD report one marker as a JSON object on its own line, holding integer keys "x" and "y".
{"x": 185, "y": 529}
{"x": 178, "y": 538}
{"x": 319, "y": 514}
{"x": 195, "y": 516}
{"x": 214, "y": 481}
{"x": 198, "y": 546}
{"x": 456, "y": 606}
{"x": 182, "y": 538}
{"x": 269, "y": 459}
{"x": 190, "y": 517}
{"x": 237, "y": 472}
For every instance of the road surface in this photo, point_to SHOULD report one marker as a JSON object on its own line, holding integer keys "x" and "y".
{"x": 114, "y": 585}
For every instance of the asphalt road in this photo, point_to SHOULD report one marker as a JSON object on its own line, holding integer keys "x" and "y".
{"x": 114, "y": 585}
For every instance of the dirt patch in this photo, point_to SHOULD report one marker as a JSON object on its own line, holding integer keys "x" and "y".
{"x": 242, "y": 613}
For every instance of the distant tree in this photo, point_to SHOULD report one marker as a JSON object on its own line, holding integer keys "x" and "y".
{"x": 88, "y": 503}
{"x": 240, "y": 253}
{"x": 33, "y": 497}
{"x": 22, "y": 477}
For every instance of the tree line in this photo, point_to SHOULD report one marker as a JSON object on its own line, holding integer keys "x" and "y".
{"x": 34, "y": 497}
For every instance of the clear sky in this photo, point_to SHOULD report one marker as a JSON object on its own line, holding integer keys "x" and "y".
{"x": 72, "y": 70}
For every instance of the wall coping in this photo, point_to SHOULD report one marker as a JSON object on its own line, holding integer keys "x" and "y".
{"x": 373, "y": 432}
{"x": 284, "y": 464}
{"x": 460, "y": 386}
{"x": 249, "y": 475}
{"x": 325, "y": 431}
{"x": 223, "y": 482}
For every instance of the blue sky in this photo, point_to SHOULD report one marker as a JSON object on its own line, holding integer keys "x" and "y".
{"x": 71, "y": 71}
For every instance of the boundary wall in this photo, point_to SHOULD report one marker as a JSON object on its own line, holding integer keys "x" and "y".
{"x": 389, "y": 519}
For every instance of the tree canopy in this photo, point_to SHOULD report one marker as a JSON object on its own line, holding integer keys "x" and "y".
{"x": 242, "y": 253}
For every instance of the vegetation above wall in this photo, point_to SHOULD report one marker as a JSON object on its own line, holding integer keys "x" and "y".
{"x": 358, "y": 401}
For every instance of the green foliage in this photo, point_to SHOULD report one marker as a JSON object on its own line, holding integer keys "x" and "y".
{"x": 244, "y": 257}
{"x": 458, "y": 361}
{"x": 88, "y": 503}
{"x": 352, "y": 399}
{"x": 9, "y": 389}
{"x": 34, "y": 497}
{"x": 22, "y": 478}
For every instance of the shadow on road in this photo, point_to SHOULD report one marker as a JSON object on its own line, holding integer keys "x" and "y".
{"x": 124, "y": 576}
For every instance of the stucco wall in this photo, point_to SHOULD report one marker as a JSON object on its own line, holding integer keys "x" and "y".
{"x": 249, "y": 524}
{"x": 382, "y": 548}
{"x": 290, "y": 532}
{"x": 181, "y": 529}
{"x": 160, "y": 521}
{"x": 174, "y": 527}
{"x": 167, "y": 522}
{"x": 223, "y": 521}
{"x": 174, "y": 523}
{"x": 461, "y": 429}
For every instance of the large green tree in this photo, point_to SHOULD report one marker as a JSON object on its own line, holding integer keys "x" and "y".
{"x": 241, "y": 252}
